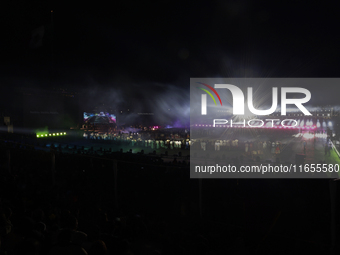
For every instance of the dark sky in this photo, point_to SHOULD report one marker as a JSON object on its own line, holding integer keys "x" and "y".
{"x": 164, "y": 41}
{"x": 156, "y": 45}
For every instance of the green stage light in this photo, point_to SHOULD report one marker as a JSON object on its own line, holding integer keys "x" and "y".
{"x": 57, "y": 133}
{"x": 45, "y": 134}
{"x": 54, "y": 134}
{"x": 37, "y": 135}
{"x": 49, "y": 134}
{"x": 64, "y": 133}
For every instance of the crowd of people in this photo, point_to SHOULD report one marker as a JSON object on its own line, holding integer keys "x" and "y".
{"x": 180, "y": 143}
{"x": 57, "y": 202}
{"x": 247, "y": 148}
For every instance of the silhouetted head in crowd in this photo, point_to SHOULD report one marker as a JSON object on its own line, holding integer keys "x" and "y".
{"x": 65, "y": 237}
{"x": 25, "y": 226}
{"x": 6, "y": 211}
{"x": 40, "y": 226}
{"x": 38, "y": 215}
{"x": 98, "y": 248}
{"x": 70, "y": 222}
{"x": 29, "y": 246}
{"x": 5, "y": 225}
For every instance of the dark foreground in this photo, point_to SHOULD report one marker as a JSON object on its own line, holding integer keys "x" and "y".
{"x": 125, "y": 203}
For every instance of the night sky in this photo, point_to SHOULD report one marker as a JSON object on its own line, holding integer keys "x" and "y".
{"x": 136, "y": 50}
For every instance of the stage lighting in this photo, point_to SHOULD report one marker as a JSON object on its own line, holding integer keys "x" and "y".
{"x": 308, "y": 136}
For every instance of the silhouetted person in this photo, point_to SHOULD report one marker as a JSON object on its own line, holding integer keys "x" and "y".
{"x": 98, "y": 248}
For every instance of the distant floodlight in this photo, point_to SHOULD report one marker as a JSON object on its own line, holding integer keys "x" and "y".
{"x": 49, "y": 134}
{"x": 54, "y": 134}
{"x": 45, "y": 134}
{"x": 64, "y": 133}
